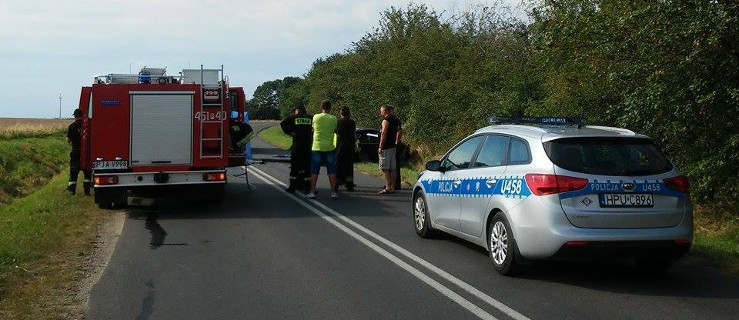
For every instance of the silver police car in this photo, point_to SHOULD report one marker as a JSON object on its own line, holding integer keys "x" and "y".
{"x": 549, "y": 188}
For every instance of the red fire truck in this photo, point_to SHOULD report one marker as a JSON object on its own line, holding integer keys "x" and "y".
{"x": 152, "y": 132}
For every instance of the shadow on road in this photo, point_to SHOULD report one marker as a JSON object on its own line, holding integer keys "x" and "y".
{"x": 623, "y": 276}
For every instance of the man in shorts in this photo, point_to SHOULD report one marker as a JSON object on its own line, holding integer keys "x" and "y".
{"x": 323, "y": 149}
{"x": 390, "y": 135}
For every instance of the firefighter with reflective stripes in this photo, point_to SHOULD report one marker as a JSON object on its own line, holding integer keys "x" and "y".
{"x": 300, "y": 126}
{"x": 74, "y": 137}
{"x": 241, "y": 133}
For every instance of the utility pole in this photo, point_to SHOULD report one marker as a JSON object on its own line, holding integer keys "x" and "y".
{"x": 60, "y": 105}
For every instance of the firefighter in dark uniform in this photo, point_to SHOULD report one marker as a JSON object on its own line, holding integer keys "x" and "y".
{"x": 74, "y": 137}
{"x": 346, "y": 141}
{"x": 240, "y": 133}
{"x": 300, "y": 127}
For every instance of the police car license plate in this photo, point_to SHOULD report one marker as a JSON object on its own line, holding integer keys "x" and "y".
{"x": 639, "y": 200}
{"x": 112, "y": 164}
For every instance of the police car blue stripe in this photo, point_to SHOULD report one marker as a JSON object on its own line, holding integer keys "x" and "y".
{"x": 508, "y": 186}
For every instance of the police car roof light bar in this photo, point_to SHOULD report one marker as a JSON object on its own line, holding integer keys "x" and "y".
{"x": 579, "y": 121}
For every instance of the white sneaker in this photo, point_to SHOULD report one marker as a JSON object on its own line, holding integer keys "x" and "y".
{"x": 334, "y": 195}
{"x": 311, "y": 195}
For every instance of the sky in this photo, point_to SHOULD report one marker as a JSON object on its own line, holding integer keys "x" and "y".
{"x": 50, "y": 49}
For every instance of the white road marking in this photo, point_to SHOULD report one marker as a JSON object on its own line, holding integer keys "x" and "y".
{"x": 277, "y": 184}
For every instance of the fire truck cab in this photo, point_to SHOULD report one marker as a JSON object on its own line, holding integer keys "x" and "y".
{"x": 154, "y": 132}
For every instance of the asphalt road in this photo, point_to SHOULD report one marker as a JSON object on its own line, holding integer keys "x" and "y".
{"x": 266, "y": 254}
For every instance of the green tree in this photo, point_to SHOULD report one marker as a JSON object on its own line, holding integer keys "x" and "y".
{"x": 292, "y": 92}
{"x": 666, "y": 68}
{"x": 275, "y": 99}
{"x": 267, "y": 94}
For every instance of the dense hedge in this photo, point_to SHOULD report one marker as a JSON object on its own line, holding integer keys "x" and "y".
{"x": 668, "y": 69}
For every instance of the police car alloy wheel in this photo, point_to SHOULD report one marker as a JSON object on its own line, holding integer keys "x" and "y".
{"x": 421, "y": 217}
{"x": 501, "y": 246}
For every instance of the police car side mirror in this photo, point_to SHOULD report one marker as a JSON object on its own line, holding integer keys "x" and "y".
{"x": 433, "y": 165}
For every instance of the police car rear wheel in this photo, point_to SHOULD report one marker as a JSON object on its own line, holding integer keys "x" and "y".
{"x": 421, "y": 217}
{"x": 501, "y": 246}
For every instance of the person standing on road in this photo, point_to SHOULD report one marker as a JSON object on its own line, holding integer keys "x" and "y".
{"x": 299, "y": 125}
{"x": 74, "y": 138}
{"x": 390, "y": 135}
{"x": 345, "y": 148}
{"x": 323, "y": 150}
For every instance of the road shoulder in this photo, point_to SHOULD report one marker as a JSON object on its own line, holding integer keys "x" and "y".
{"x": 106, "y": 237}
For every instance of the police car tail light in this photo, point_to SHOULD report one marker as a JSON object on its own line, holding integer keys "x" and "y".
{"x": 543, "y": 184}
{"x": 679, "y": 183}
{"x": 105, "y": 180}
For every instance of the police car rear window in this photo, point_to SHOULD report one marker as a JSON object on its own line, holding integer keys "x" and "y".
{"x": 608, "y": 156}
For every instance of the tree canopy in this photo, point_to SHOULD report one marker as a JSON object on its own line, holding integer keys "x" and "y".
{"x": 667, "y": 69}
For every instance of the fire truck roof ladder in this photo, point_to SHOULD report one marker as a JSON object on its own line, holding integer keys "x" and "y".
{"x": 211, "y": 124}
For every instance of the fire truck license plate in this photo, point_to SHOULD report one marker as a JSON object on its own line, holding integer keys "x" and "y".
{"x": 116, "y": 164}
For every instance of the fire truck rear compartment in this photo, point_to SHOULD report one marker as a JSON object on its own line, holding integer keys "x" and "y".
{"x": 161, "y": 128}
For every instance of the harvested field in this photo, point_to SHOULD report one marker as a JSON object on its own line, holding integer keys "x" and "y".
{"x": 12, "y": 127}
{"x": 28, "y": 124}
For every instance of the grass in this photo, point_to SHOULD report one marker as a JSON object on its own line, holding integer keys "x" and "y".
{"x": 45, "y": 234}
{"x": 716, "y": 241}
{"x": 44, "y": 239}
{"x": 407, "y": 175}
{"x": 28, "y": 162}
{"x": 276, "y": 137}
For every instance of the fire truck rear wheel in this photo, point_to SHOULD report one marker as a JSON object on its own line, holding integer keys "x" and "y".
{"x": 109, "y": 198}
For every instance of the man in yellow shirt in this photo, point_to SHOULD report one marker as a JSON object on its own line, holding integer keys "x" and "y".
{"x": 323, "y": 150}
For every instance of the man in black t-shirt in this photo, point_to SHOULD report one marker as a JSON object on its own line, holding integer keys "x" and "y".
{"x": 390, "y": 135}
{"x": 74, "y": 137}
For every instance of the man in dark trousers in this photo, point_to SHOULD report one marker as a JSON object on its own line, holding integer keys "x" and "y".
{"x": 300, "y": 126}
{"x": 345, "y": 148}
{"x": 74, "y": 137}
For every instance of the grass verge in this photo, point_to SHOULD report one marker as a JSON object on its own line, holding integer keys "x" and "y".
{"x": 29, "y": 162}
{"x": 716, "y": 242}
{"x": 44, "y": 239}
{"x": 276, "y": 137}
{"x": 715, "y": 245}
{"x": 407, "y": 175}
